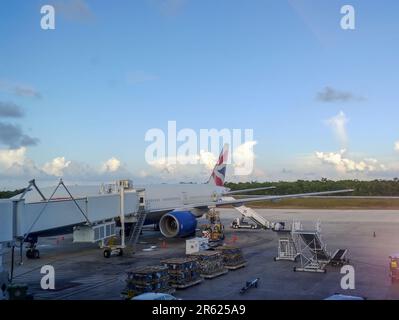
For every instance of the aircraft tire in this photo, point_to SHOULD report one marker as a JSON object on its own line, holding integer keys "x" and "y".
{"x": 36, "y": 254}
{"x": 29, "y": 254}
{"x": 107, "y": 253}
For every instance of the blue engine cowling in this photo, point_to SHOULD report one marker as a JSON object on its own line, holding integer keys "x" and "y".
{"x": 178, "y": 224}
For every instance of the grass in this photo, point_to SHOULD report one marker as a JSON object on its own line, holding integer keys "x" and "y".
{"x": 323, "y": 203}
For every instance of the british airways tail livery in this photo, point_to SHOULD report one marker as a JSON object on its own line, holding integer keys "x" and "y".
{"x": 219, "y": 171}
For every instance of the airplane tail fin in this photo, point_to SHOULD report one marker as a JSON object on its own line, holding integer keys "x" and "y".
{"x": 219, "y": 171}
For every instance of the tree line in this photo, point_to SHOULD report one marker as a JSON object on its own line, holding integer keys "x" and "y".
{"x": 361, "y": 188}
{"x": 9, "y": 194}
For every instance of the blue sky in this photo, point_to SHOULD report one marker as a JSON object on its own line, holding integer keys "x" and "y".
{"x": 92, "y": 87}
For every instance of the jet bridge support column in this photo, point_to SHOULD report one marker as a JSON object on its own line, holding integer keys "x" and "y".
{"x": 122, "y": 216}
{"x": 6, "y": 236}
{"x": 3, "y": 274}
{"x": 1, "y": 258}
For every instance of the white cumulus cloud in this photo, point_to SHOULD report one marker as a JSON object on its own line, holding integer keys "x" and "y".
{"x": 244, "y": 158}
{"x": 9, "y": 157}
{"x": 186, "y": 166}
{"x": 111, "y": 165}
{"x": 345, "y": 165}
{"x": 396, "y": 146}
{"x": 56, "y": 166}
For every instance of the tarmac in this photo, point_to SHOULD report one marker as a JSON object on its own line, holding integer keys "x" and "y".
{"x": 371, "y": 236}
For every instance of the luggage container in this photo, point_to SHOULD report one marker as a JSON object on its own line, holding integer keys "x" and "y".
{"x": 183, "y": 272}
{"x": 210, "y": 264}
{"x": 232, "y": 257}
{"x": 147, "y": 279}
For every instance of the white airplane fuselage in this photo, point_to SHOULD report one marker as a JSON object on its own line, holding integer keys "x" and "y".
{"x": 166, "y": 196}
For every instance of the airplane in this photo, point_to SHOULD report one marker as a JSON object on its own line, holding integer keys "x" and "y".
{"x": 175, "y": 208}
{"x": 179, "y": 219}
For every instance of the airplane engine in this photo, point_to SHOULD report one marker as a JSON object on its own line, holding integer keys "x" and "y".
{"x": 178, "y": 224}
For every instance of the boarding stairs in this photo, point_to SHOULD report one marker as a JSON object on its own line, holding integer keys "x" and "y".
{"x": 287, "y": 245}
{"x": 251, "y": 214}
{"x": 254, "y": 216}
{"x": 313, "y": 252}
{"x": 136, "y": 230}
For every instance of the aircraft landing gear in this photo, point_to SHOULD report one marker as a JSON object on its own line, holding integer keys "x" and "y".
{"x": 112, "y": 251}
{"x": 32, "y": 252}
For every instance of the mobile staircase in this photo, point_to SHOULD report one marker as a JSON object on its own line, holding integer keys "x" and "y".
{"x": 136, "y": 230}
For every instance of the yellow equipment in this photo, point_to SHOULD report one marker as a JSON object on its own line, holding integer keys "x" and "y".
{"x": 393, "y": 267}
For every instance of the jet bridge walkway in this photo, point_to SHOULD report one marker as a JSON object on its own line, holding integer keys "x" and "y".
{"x": 91, "y": 218}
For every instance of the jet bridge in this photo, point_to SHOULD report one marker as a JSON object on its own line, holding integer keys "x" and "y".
{"x": 6, "y": 218}
{"x": 91, "y": 218}
{"x": 43, "y": 217}
{"x": 6, "y": 236}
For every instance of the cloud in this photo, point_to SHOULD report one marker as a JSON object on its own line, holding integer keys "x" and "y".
{"x": 243, "y": 158}
{"x": 396, "y": 147}
{"x": 138, "y": 77}
{"x": 178, "y": 164}
{"x": 345, "y": 165}
{"x": 26, "y": 92}
{"x": 10, "y": 110}
{"x": 17, "y": 167}
{"x": 11, "y": 157}
{"x": 76, "y": 10}
{"x": 12, "y": 136}
{"x": 208, "y": 159}
{"x": 56, "y": 167}
{"x": 338, "y": 124}
{"x": 190, "y": 167}
{"x": 19, "y": 90}
{"x": 332, "y": 95}
{"x": 15, "y": 164}
{"x": 111, "y": 165}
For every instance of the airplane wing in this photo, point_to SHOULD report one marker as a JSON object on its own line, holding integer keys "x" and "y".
{"x": 232, "y": 201}
{"x": 247, "y": 190}
{"x": 237, "y": 202}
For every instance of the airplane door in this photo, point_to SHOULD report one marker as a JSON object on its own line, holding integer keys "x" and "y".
{"x": 142, "y": 201}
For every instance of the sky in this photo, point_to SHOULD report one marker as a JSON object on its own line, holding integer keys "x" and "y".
{"x": 76, "y": 102}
